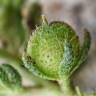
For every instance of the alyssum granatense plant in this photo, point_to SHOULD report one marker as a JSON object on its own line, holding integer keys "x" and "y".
{"x": 54, "y": 53}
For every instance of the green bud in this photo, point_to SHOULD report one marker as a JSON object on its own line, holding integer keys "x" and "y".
{"x": 54, "y": 51}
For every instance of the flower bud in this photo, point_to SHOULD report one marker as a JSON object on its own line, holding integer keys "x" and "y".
{"x": 54, "y": 51}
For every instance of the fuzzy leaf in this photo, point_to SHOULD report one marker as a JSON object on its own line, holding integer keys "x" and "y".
{"x": 84, "y": 50}
{"x": 66, "y": 63}
{"x": 9, "y": 77}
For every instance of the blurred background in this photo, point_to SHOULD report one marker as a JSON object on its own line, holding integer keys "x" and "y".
{"x": 19, "y": 18}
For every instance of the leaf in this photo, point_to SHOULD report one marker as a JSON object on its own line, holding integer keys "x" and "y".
{"x": 10, "y": 77}
{"x": 84, "y": 50}
{"x": 85, "y": 47}
{"x": 66, "y": 63}
{"x": 60, "y": 27}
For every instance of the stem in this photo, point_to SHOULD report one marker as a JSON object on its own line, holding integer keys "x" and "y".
{"x": 66, "y": 87}
{"x": 79, "y": 93}
{"x": 50, "y": 91}
{"x": 32, "y": 91}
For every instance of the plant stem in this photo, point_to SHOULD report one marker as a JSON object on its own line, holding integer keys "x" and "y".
{"x": 66, "y": 87}
{"x": 32, "y": 91}
{"x": 79, "y": 93}
{"x": 42, "y": 91}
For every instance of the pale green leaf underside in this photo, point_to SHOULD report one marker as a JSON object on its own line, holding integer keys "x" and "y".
{"x": 65, "y": 65}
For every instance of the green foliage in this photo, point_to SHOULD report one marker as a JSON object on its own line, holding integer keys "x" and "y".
{"x": 9, "y": 77}
{"x": 11, "y": 29}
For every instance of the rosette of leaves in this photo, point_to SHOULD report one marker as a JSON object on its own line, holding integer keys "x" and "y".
{"x": 54, "y": 53}
{"x": 12, "y": 33}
